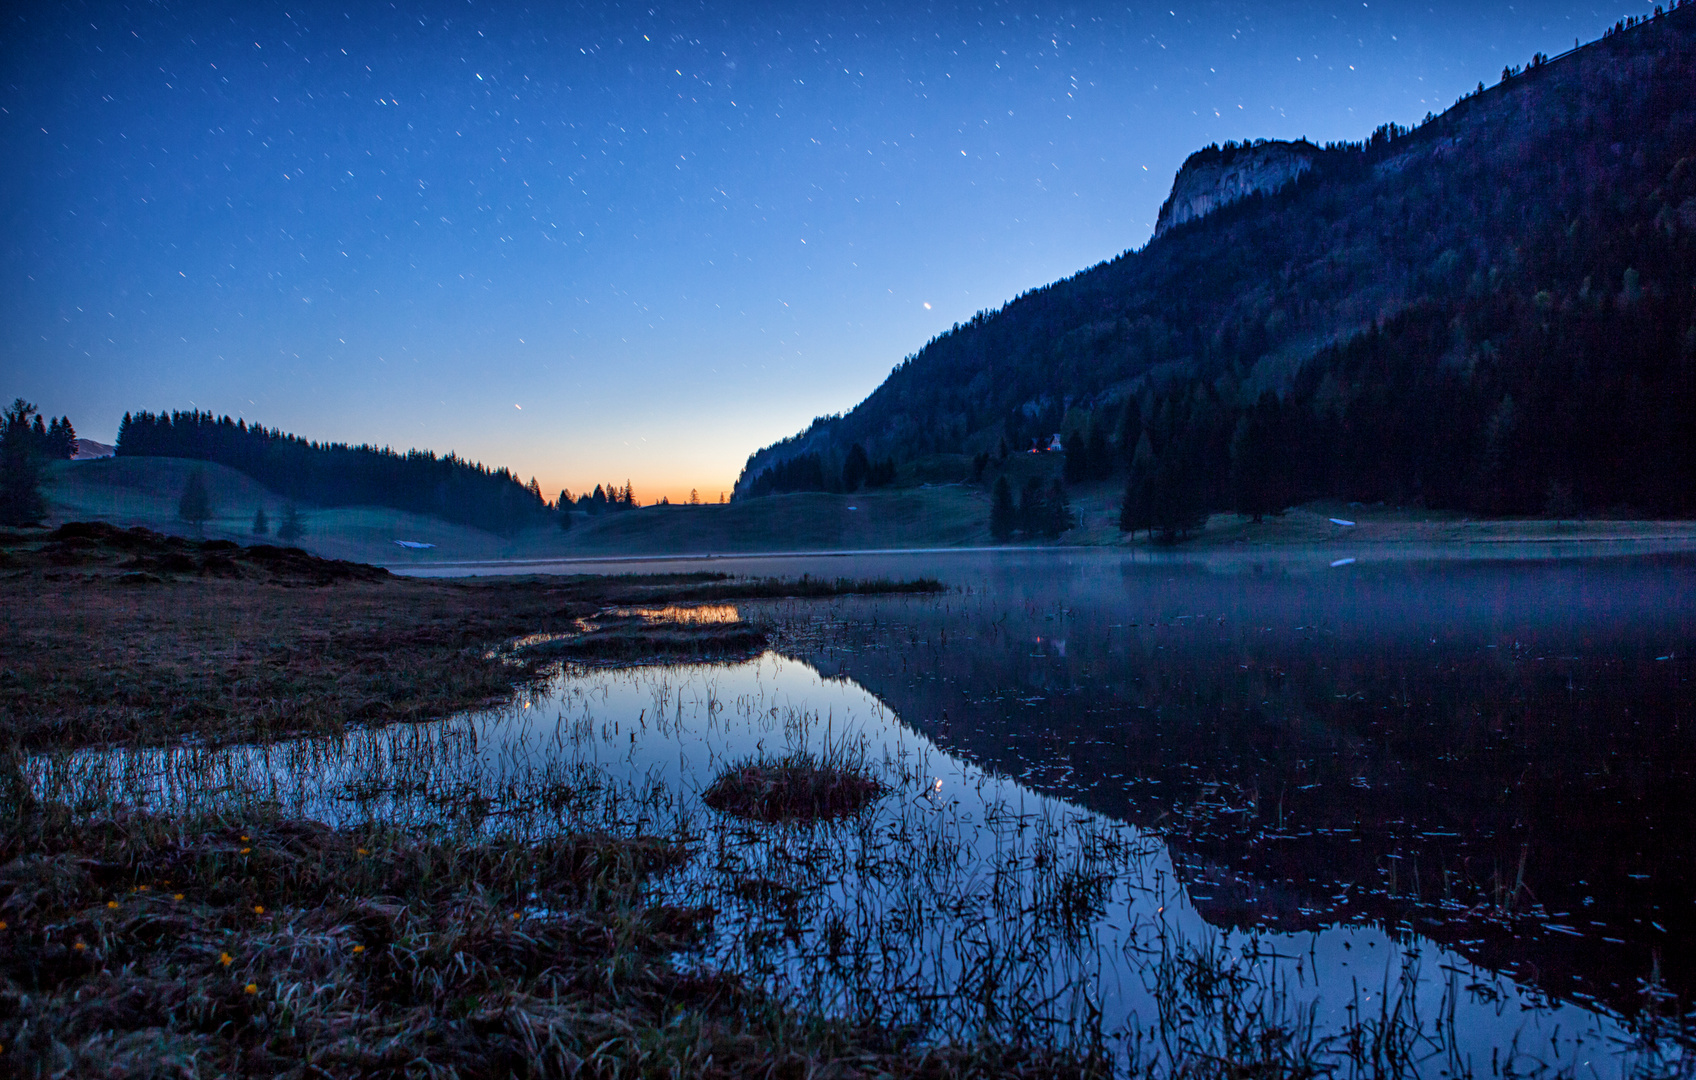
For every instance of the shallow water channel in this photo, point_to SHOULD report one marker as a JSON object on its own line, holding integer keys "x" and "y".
{"x": 1388, "y": 818}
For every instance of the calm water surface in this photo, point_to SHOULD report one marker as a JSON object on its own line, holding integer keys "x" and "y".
{"x": 1460, "y": 790}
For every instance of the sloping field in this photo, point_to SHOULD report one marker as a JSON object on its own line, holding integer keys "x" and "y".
{"x": 145, "y": 490}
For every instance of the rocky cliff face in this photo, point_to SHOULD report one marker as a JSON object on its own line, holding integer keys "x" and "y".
{"x": 1213, "y": 178}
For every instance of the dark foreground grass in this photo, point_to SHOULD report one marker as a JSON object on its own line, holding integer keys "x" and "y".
{"x": 136, "y": 945}
{"x": 124, "y": 636}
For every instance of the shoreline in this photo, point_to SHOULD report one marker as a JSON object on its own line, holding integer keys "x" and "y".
{"x": 1352, "y": 545}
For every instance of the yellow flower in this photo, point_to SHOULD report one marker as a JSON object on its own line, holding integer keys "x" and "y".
{"x": 226, "y": 959}
{"x": 359, "y": 948}
{"x": 79, "y": 946}
{"x": 141, "y": 888}
{"x": 362, "y": 851}
{"x": 245, "y": 850}
{"x": 178, "y": 896}
{"x": 244, "y": 839}
{"x": 252, "y": 988}
{"x": 259, "y": 909}
{"x": 111, "y": 903}
{"x": 2, "y": 924}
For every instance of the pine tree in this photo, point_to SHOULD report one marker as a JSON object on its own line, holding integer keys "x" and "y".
{"x": 1098, "y": 455}
{"x": 856, "y": 468}
{"x": 1130, "y": 429}
{"x": 1076, "y": 466}
{"x": 1003, "y": 515}
{"x": 20, "y": 468}
{"x": 195, "y": 506}
{"x": 1033, "y": 508}
{"x": 261, "y": 524}
{"x": 292, "y": 528}
{"x": 1137, "y": 510}
{"x": 61, "y": 440}
{"x": 1259, "y": 462}
{"x": 1056, "y": 511}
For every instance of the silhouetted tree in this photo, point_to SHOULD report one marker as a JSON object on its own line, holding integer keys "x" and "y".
{"x": 1098, "y": 455}
{"x": 1259, "y": 462}
{"x": 20, "y": 467}
{"x": 1075, "y": 469}
{"x": 1056, "y": 511}
{"x": 292, "y": 527}
{"x": 1130, "y": 429}
{"x": 61, "y": 440}
{"x": 856, "y": 468}
{"x": 1136, "y": 513}
{"x": 261, "y": 524}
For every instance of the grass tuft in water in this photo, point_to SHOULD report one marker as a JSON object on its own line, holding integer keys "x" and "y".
{"x": 800, "y": 786}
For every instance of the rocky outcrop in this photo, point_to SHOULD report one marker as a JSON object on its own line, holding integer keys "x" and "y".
{"x": 1212, "y": 178}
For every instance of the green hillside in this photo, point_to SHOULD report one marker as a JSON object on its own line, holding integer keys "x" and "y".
{"x": 145, "y": 491}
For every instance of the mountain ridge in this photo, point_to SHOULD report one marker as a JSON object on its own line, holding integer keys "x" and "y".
{"x": 1248, "y": 295}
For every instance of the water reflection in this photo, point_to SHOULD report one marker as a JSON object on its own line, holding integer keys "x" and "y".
{"x": 1496, "y": 754}
{"x": 965, "y": 902}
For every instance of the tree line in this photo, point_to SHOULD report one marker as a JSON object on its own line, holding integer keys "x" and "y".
{"x": 1041, "y": 511}
{"x": 27, "y": 443}
{"x": 813, "y": 472}
{"x": 339, "y": 474}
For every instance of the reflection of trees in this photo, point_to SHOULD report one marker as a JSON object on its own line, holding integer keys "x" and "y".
{"x": 1396, "y": 758}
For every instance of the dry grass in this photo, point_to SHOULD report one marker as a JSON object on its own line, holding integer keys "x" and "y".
{"x": 126, "y": 636}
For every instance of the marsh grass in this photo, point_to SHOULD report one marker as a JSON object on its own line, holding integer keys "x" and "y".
{"x": 798, "y": 786}
{"x": 245, "y": 941}
{"x": 923, "y": 937}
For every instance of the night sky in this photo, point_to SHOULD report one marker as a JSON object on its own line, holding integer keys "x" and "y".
{"x": 600, "y": 241}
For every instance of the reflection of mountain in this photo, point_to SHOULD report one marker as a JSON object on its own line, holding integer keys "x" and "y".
{"x": 1422, "y": 746}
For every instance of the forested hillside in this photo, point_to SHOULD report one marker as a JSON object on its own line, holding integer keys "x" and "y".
{"x": 1493, "y": 311}
{"x": 336, "y": 474}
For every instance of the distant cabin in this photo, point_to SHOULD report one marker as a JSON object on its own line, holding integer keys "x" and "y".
{"x": 1054, "y": 446}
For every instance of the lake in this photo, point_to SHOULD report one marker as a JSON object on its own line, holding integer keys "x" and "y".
{"x": 1435, "y": 811}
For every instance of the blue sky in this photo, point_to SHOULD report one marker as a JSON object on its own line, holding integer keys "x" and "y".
{"x": 600, "y": 241}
